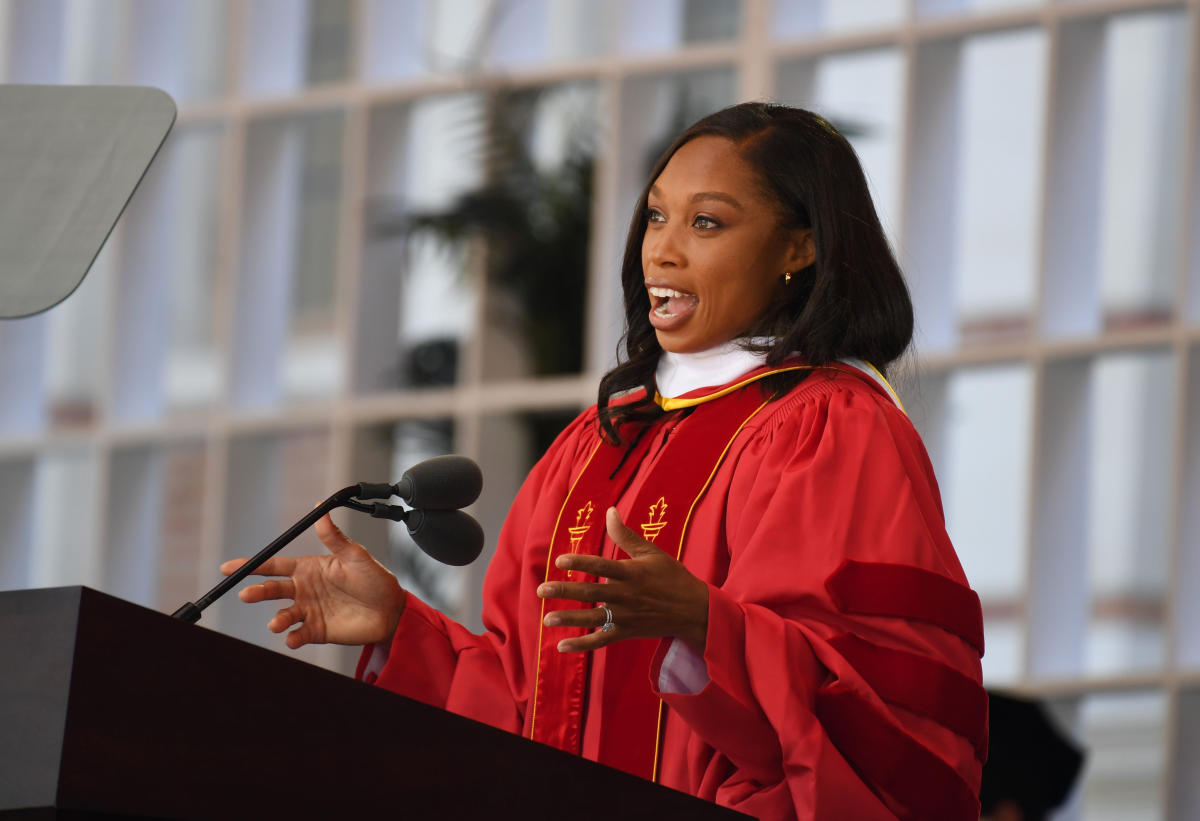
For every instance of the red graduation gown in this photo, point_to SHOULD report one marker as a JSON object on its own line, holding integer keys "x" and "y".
{"x": 843, "y": 644}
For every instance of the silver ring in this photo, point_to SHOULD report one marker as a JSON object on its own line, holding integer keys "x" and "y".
{"x": 608, "y": 625}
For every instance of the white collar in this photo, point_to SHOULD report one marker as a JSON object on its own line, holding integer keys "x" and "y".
{"x": 679, "y": 373}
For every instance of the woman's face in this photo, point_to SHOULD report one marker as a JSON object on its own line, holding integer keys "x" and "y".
{"x": 714, "y": 254}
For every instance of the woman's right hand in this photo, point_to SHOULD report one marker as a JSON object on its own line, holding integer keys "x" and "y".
{"x": 343, "y": 597}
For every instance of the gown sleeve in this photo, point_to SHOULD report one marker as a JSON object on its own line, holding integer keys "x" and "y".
{"x": 434, "y": 659}
{"x": 843, "y": 647}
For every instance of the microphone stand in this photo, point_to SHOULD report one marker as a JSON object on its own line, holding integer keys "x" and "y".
{"x": 190, "y": 612}
{"x": 445, "y": 522}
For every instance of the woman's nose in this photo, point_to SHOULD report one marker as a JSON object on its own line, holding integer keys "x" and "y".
{"x": 663, "y": 248}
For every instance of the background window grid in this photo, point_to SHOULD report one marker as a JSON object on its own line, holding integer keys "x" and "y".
{"x": 265, "y": 325}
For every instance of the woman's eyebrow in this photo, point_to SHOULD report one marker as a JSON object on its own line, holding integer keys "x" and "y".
{"x": 706, "y": 195}
{"x": 717, "y": 195}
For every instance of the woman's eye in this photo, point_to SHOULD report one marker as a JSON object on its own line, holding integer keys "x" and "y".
{"x": 654, "y": 215}
{"x": 705, "y": 222}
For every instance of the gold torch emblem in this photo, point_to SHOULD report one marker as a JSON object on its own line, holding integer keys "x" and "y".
{"x": 657, "y": 521}
{"x": 583, "y": 523}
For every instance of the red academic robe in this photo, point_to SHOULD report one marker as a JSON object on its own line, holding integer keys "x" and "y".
{"x": 843, "y": 645}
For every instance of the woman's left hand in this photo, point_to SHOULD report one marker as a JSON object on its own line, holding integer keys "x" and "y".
{"x": 650, "y": 594}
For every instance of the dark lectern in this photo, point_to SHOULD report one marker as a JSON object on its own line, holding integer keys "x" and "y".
{"x": 111, "y": 710}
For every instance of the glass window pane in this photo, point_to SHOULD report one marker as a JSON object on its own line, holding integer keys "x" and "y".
{"x": 989, "y": 420}
{"x": 706, "y": 21}
{"x": 330, "y": 31}
{"x": 1187, "y": 575}
{"x": 1125, "y": 738}
{"x": 35, "y": 42}
{"x": 293, "y": 43}
{"x": 155, "y": 526}
{"x": 75, "y": 369}
{"x": 396, "y": 42}
{"x": 1185, "y": 799}
{"x": 180, "y": 47}
{"x": 527, "y": 32}
{"x": 458, "y": 30}
{"x": 418, "y": 293}
{"x": 17, "y": 477}
{"x": 862, "y": 94}
{"x": 1192, "y": 244}
{"x": 91, "y": 34}
{"x": 1132, "y": 397}
{"x": 535, "y": 31}
{"x": 1002, "y": 96}
{"x": 581, "y": 28}
{"x": 538, "y": 217}
{"x": 64, "y": 549}
{"x": 794, "y": 18}
{"x": 659, "y": 107}
{"x": 165, "y": 349}
{"x": 937, "y": 8}
{"x": 312, "y": 364}
{"x": 1144, "y": 77}
{"x": 194, "y": 372}
{"x": 317, "y": 229}
{"x": 22, "y": 369}
{"x": 286, "y": 288}
{"x": 669, "y": 24}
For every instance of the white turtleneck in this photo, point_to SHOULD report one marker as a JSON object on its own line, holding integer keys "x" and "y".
{"x": 679, "y": 373}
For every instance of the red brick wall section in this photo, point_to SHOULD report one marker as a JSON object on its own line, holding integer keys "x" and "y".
{"x": 180, "y": 574}
{"x": 304, "y": 471}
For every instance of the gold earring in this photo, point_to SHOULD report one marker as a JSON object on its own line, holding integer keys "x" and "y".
{"x": 787, "y": 277}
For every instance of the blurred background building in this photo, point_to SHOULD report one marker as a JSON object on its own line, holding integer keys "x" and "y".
{"x": 386, "y": 229}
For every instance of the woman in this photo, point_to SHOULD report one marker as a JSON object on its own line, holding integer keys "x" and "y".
{"x": 776, "y": 620}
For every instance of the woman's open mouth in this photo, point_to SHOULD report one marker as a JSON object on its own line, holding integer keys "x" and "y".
{"x": 670, "y": 308}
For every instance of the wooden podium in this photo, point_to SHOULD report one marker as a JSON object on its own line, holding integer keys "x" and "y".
{"x": 108, "y": 709}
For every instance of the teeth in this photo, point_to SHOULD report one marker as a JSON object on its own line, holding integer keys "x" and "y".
{"x": 664, "y": 292}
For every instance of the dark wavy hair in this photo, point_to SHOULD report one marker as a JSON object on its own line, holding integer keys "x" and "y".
{"x": 851, "y": 302}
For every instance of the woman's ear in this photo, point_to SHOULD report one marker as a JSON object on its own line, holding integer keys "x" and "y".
{"x": 801, "y": 249}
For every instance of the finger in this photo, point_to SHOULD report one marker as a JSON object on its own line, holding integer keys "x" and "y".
{"x": 596, "y": 565}
{"x": 299, "y": 637}
{"x": 269, "y": 590}
{"x": 331, "y": 535}
{"x": 592, "y": 641}
{"x": 586, "y": 617}
{"x": 277, "y": 566}
{"x": 633, "y": 544}
{"x": 285, "y": 618}
{"x": 578, "y": 591}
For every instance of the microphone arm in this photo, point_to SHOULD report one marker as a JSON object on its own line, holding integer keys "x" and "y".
{"x": 190, "y": 611}
{"x": 450, "y": 536}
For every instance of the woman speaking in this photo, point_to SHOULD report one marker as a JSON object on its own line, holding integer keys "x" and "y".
{"x": 731, "y": 575}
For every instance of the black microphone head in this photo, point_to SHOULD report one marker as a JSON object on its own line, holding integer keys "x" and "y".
{"x": 450, "y": 536}
{"x": 441, "y": 483}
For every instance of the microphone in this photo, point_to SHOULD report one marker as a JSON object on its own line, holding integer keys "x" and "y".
{"x": 450, "y": 536}
{"x": 441, "y": 483}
